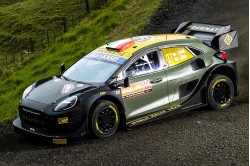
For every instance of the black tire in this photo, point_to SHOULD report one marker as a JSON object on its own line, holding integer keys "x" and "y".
{"x": 104, "y": 120}
{"x": 220, "y": 91}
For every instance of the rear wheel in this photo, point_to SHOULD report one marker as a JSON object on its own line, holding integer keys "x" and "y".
{"x": 105, "y": 119}
{"x": 220, "y": 91}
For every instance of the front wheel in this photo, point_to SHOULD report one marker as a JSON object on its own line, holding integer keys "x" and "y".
{"x": 104, "y": 120}
{"x": 220, "y": 91}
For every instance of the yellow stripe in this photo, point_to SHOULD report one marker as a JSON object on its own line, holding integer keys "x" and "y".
{"x": 116, "y": 115}
{"x": 220, "y": 80}
{"x": 97, "y": 127}
{"x": 223, "y": 105}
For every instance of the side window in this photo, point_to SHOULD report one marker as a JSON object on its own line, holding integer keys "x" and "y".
{"x": 176, "y": 55}
{"x": 195, "y": 51}
{"x": 145, "y": 64}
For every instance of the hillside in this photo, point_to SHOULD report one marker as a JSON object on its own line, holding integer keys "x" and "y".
{"x": 117, "y": 20}
{"x": 28, "y": 26}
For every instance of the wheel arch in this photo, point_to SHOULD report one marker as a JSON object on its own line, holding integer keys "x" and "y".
{"x": 119, "y": 106}
{"x": 229, "y": 72}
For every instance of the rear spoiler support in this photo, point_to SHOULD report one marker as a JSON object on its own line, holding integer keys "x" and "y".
{"x": 219, "y": 37}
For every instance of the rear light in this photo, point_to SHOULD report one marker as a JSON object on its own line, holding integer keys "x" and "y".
{"x": 221, "y": 55}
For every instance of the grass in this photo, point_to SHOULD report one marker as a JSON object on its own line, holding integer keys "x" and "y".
{"x": 9, "y": 2}
{"x": 23, "y": 22}
{"x": 118, "y": 20}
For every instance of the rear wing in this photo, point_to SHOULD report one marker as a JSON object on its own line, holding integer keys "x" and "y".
{"x": 219, "y": 37}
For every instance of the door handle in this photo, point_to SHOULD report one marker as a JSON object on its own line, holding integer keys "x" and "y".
{"x": 155, "y": 80}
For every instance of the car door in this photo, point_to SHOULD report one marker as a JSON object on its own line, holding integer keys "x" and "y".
{"x": 180, "y": 76}
{"x": 148, "y": 90}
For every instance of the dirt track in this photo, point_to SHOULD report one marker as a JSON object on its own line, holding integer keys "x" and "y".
{"x": 199, "y": 137}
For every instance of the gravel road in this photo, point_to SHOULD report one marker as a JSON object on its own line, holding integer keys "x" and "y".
{"x": 198, "y": 137}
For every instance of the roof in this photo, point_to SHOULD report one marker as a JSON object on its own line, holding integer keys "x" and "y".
{"x": 125, "y": 48}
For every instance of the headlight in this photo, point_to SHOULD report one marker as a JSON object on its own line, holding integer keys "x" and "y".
{"x": 66, "y": 104}
{"x": 27, "y": 91}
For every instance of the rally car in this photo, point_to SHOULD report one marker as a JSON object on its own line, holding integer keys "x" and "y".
{"x": 133, "y": 81}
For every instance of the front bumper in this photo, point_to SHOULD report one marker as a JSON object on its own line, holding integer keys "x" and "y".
{"x": 62, "y": 138}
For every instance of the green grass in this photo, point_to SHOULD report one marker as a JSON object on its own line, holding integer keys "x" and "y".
{"x": 9, "y": 2}
{"x": 120, "y": 18}
{"x": 29, "y": 20}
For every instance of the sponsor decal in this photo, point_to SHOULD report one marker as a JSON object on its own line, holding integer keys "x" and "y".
{"x": 147, "y": 117}
{"x": 203, "y": 28}
{"x": 57, "y": 80}
{"x": 63, "y": 120}
{"x": 228, "y": 39}
{"x": 106, "y": 58}
{"x": 114, "y": 53}
{"x": 118, "y": 92}
{"x": 79, "y": 85}
{"x": 68, "y": 88}
{"x": 153, "y": 115}
{"x": 59, "y": 141}
{"x": 32, "y": 120}
{"x": 102, "y": 93}
{"x": 144, "y": 38}
{"x": 137, "y": 89}
{"x": 174, "y": 107}
{"x": 176, "y": 55}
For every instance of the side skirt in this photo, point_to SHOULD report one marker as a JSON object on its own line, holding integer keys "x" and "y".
{"x": 160, "y": 115}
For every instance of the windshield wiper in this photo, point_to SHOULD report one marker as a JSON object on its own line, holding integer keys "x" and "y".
{"x": 65, "y": 78}
{"x": 80, "y": 82}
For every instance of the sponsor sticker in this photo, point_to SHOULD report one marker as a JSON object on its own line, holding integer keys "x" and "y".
{"x": 176, "y": 55}
{"x": 144, "y": 38}
{"x": 59, "y": 141}
{"x": 203, "y": 28}
{"x": 113, "y": 53}
{"x": 174, "y": 107}
{"x": 79, "y": 85}
{"x": 228, "y": 39}
{"x": 137, "y": 89}
{"x": 106, "y": 57}
{"x": 118, "y": 92}
{"x": 68, "y": 88}
{"x": 102, "y": 93}
{"x": 148, "y": 117}
{"x": 63, "y": 120}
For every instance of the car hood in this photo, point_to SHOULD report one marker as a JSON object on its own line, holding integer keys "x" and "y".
{"x": 54, "y": 89}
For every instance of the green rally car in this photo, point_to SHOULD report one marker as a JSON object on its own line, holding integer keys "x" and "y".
{"x": 132, "y": 81}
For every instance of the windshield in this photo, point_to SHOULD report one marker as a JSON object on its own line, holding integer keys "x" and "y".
{"x": 93, "y": 68}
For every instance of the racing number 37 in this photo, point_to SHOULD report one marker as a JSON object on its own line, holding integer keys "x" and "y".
{"x": 176, "y": 55}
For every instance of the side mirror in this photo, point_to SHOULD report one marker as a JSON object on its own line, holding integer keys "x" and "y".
{"x": 62, "y": 68}
{"x": 126, "y": 82}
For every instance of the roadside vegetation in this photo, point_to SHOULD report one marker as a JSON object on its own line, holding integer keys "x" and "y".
{"x": 9, "y": 2}
{"x": 29, "y": 26}
{"x": 118, "y": 19}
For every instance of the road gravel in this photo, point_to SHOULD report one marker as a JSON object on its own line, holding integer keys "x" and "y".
{"x": 198, "y": 137}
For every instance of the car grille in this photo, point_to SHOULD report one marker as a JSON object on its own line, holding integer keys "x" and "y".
{"x": 33, "y": 117}
{"x": 38, "y": 121}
